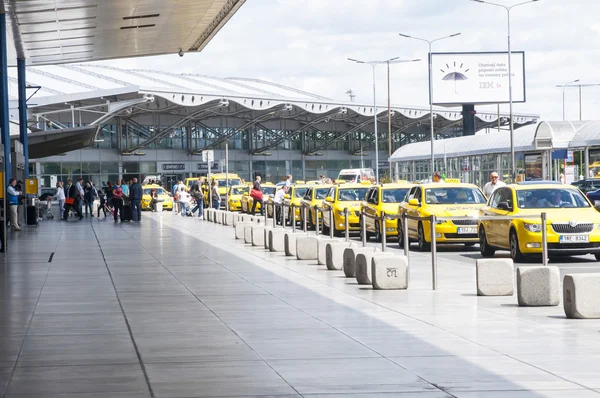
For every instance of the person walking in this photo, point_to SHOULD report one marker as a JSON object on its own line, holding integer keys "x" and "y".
{"x": 278, "y": 199}
{"x": 90, "y": 195}
{"x": 135, "y": 197}
{"x": 153, "y": 200}
{"x": 288, "y": 180}
{"x": 184, "y": 200}
{"x": 198, "y": 196}
{"x": 69, "y": 201}
{"x": 102, "y": 197}
{"x": 109, "y": 193}
{"x": 257, "y": 197}
{"x": 492, "y": 185}
{"x": 60, "y": 196}
{"x": 175, "y": 193}
{"x": 216, "y": 197}
{"x": 117, "y": 200}
{"x": 80, "y": 197}
{"x": 75, "y": 197}
{"x": 13, "y": 203}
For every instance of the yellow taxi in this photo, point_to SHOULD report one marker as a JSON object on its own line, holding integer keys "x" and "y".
{"x": 442, "y": 200}
{"x": 383, "y": 198}
{"x": 573, "y": 225}
{"x": 344, "y": 196}
{"x": 235, "y": 196}
{"x": 268, "y": 190}
{"x": 162, "y": 194}
{"x": 294, "y": 196}
{"x": 315, "y": 195}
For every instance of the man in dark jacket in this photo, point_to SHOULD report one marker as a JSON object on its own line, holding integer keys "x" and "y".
{"x": 135, "y": 196}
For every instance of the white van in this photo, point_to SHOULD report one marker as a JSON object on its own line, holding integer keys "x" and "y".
{"x": 355, "y": 175}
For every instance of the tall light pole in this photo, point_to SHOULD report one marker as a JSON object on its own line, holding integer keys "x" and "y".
{"x": 432, "y": 128}
{"x": 373, "y": 64}
{"x": 510, "y": 99}
{"x": 563, "y": 94}
{"x": 579, "y": 86}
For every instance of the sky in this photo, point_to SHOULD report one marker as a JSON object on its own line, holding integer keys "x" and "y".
{"x": 305, "y": 44}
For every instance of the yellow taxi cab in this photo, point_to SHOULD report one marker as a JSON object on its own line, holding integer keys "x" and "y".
{"x": 268, "y": 190}
{"x": 342, "y": 196}
{"x": 315, "y": 195}
{"x": 294, "y": 196}
{"x": 442, "y": 200}
{"x": 235, "y": 196}
{"x": 573, "y": 225}
{"x": 162, "y": 194}
{"x": 383, "y": 198}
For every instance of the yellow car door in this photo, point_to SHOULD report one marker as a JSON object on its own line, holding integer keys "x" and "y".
{"x": 371, "y": 209}
{"x": 413, "y": 208}
{"x": 497, "y": 230}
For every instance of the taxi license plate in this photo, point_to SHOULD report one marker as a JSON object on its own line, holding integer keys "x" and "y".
{"x": 574, "y": 238}
{"x": 472, "y": 230}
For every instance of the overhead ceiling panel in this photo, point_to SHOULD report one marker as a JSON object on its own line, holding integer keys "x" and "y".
{"x": 110, "y": 28}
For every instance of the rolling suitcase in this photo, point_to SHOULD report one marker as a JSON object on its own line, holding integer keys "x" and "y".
{"x": 126, "y": 213}
{"x": 32, "y": 215}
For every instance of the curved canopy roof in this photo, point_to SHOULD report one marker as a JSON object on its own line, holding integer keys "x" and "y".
{"x": 587, "y": 135}
{"x": 556, "y": 135}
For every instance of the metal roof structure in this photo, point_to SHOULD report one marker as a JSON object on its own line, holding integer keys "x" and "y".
{"x": 280, "y": 111}
{"x": 49, "y": 32}
{"x": 556, "y": 135}
{"x": 481, "y": 144}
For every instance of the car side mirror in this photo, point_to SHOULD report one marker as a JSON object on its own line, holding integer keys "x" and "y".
{"x": 329, "y": 199}
{"x": 413, "y": 202}
{"x": 504, "y": 206}
{"x": 286, "y": 196}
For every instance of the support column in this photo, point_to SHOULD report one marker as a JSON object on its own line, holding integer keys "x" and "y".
{"x": 468, "y": 112}
{"x": 4, "y": 118}
{"x": 586, "y": 172}
{"x": 23, "y": 113}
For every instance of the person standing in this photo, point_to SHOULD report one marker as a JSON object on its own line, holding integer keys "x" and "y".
{"x": 69, "y": 201}
{"x": 256, "y": 194}
{"x": 75, "y": 198}
{"x": 135, "y": 197}
{"x": 125, "y": 188}
{"x": 13, "y": 203}
{"x": 109, "y": 193}
{"x": 175, "y": 193}
{"x": 117, "y": 199}
{"x": 60, "y": 196}
{"x": 216, "y": 197}
{"x": 184, "y": 200}
{"x": 102, "y": 196}
{"x": 437, "y": 178}
{"x": 89, "y": 197}
{"x": 278, "y": 199}
{"x": 198, "y": 196}
{"x": 80, "y": 197}
{"x": 492, "y": 185}
{"x": 288, "y": 180}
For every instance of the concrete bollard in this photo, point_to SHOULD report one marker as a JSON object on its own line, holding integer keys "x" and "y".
{"x": 248, "y": 232}
{"x": 581, "y": 296}
{"x": 334, "y": 254}
{"x": 349, "y": 265}
{"x": 362, "y": 266}
{"x": 289, "y": 240}
{"x": 229, "y": 218}
{"x": 258, "y": 235}
{"x": 219, "y": 217}
{"x": 538, "y": 286}
{"x": 389, "y": 272}
{"x": 276, "y": 240}
{"x": 239, "y": 230}
{"x": 322, "y": 249}
{"x": 495, "y": 277}
{"x": 205, "y": 214}
{"x": 307, "y": 247}
{"x": 266, "y": 236}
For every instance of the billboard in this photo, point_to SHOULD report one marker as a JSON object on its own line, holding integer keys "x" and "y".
{"x": 476, "y": 78}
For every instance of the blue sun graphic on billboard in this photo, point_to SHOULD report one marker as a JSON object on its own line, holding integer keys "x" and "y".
{"x": 456, "y": 74}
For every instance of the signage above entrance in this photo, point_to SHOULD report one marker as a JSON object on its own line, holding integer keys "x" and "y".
{"x": 173, "y": 166}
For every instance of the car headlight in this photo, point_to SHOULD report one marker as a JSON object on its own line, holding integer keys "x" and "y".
{"x": 438, "y": 222}
{"x": 341, "y": 213}
{"x": 533, "y": 227}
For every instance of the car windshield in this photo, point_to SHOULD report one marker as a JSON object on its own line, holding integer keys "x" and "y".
{"x": 269, "y": 190}
{"x": 347, "y": 177}
{"x": 321, "y": 193}
{"x": 453, "y": 196}
{"x": 238, "y": 190}
{"x": 159, "y": 191}
{"x": 352, "y": 194}
{"x": 300, "y": 192}
{"x": 232, "y": 181}
{"x": 548, "y": 198}
{"x": 395, "y": 195}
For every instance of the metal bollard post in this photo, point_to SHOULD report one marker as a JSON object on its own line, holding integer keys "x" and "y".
{"x": 363, "y": 229}
{"x": 346, "y": 224}
{"x": 293, "y": 217}
{"x": 544, "y": 240}
{"x": 383, "y": 233}
{"x": 317, "y": 228}
{"x": 282, "y": 216}
{"x": 274, "y": 210}
{"x": 405, "y": 234}
{"x": 304, "y": 220}
{"x": 433, "y": 220}
{"x": 331, "y": 221}
{"x": 263, "y": 207}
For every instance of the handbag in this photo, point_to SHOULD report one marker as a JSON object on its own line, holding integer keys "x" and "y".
{"x": 70, "y": 201}
{"x": 256, "y": 194}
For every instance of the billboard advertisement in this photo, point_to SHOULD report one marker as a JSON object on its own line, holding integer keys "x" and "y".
{"x": 476, "y": 78}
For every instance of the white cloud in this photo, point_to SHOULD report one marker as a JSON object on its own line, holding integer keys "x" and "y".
{"x": 306, "y": 43}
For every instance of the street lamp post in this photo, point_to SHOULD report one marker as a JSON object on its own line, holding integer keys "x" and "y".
{"x": 373, "y": 64}
{"x": 570, "y": 84}
{"x": 563, "y": 95}
{"x": 432, "y": 128}
{"x": 510, "y": 99}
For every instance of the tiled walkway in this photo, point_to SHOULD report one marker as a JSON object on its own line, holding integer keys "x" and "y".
{"x": 175, "y": 307}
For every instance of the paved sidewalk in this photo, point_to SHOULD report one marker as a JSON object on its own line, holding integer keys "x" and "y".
{"x": 176, "y": 307}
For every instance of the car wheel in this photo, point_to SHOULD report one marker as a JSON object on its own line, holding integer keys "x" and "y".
{"x": 401, "y": 235}
{"x": 597, "y": 257}
{"x": 515, "y": 251}
{"x": 422, "y": 243}
{"x": 484, "y": 247}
